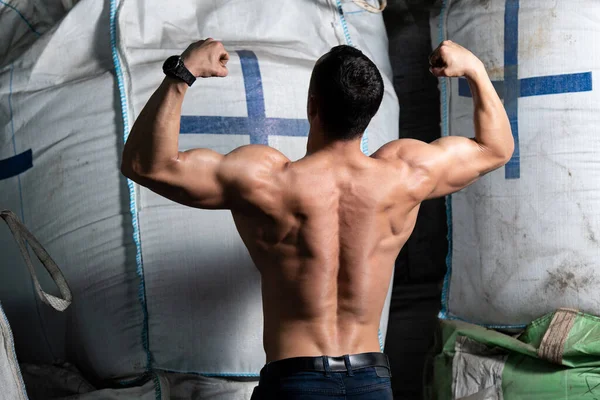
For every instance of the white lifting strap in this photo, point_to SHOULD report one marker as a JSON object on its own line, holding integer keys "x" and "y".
{"x": 22, "y": 235}
{"x": 368, "y": 7}
{"x": 552, "y": 346}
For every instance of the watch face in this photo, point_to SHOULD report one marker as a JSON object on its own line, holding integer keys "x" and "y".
{"x": 171, "y": 63}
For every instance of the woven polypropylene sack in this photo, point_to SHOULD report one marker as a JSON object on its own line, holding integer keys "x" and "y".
{"x": 263, "y": 100}
{"x": 60, "y": 148}
{"x": 525, "y": 238}
{"x": 155, "y": 285}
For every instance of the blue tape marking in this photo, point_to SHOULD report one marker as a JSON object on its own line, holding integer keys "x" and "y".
{"x": 511, "y": 32}
{"x": 541, "y": 85}
{"x": 512, "y": 87}
{"x": 16, "y": 165}
{"x": 131, "y": 188}
{"x": 215, "y": 125}
{"x": 256, "y": 125}
{"x": 255, "y": 98}
{"x": 568, "y": 83}
{"x": 259, "y": 129}
{"x": 31, "y": 28}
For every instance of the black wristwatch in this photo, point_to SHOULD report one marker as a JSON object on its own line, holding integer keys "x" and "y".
{"x": 175, "y": 68}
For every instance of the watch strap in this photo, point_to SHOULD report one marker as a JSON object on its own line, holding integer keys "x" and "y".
{"x": 185, "y": 74}
{"x": 179, "y": 70}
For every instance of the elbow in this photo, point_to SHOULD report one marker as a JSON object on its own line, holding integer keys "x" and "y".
{"x": 128, "y": 162}
{"x": 499, "y": 156}
{"x": 509, "y": 143}
{"x": 144, "y": 173}
{"x": 125, "y": 168}
{"x": 134, "y": 165}
{"x": 504, "y": 156}
{"x": 503, "y": 151}
{"x": 133, "y": 170}
{"x": 509, "y": 150}
{"x": 128, "y": 167}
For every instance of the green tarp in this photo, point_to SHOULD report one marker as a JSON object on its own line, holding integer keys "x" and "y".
{"x": 556, "y": 357}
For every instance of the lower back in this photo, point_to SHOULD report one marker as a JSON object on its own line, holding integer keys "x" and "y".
{"x": 324, "y": 309}
{"x": 302, "y": 338}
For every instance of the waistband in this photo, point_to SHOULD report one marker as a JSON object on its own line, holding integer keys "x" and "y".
{"x": 346, "y": 363}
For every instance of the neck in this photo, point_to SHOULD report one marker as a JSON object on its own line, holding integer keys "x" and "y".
{"x": 317, "y": 142}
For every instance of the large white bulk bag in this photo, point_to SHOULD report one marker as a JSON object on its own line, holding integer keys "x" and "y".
{"x": 60, "y": 152}
{"x": 156, "y": 286}
{"x": 525, "y": 238}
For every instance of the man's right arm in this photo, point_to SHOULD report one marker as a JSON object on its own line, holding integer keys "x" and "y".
{"x": 449, "y": 164}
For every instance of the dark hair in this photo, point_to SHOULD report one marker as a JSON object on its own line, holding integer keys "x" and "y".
{"x": 348, "y": 90}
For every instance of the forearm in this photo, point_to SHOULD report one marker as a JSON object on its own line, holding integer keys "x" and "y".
{"x": 153, "y": 140}
{"x": 492, "y": 127}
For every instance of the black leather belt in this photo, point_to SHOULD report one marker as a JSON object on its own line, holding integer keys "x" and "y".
{"x": 336, "y": 364}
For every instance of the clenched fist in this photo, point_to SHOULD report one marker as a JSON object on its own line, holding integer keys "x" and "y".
{"x": 206, "y": 58}
{"x": 452, "y": 60}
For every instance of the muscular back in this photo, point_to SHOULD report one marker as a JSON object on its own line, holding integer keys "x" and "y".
{"x": 325, "y": 233}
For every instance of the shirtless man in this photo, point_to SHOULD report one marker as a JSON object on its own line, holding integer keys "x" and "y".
{"x": 323, "y": 231}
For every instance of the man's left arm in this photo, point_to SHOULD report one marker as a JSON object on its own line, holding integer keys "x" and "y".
{"x": 151, "y": 157}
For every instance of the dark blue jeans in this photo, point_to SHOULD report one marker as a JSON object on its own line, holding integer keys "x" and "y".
{"x": 368, "y": 383}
